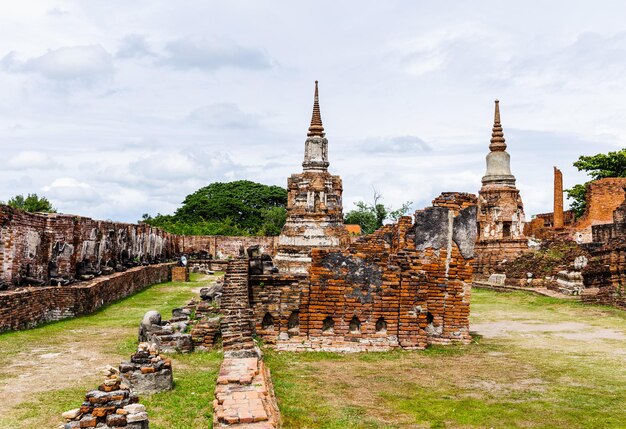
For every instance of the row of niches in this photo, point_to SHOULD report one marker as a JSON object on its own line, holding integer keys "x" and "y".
{"x": 328, "y": 324}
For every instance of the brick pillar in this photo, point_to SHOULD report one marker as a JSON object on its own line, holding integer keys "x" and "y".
{"x": 558, "y": 199}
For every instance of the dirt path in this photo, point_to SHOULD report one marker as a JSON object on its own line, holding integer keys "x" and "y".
{"x": 57, "y": 366}
{"x": 71, "y": 353}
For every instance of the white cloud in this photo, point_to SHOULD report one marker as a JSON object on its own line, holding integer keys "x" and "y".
{"x": 86, "y": 64}
{"x": 398, "y": 144}
{"x": 223, "y": 115}
{"x": 57, "y": 12}
{"x": 31, "y": 160}
{"x": 103, "y": 95}
{"x": 134, "y": 46}
{"x": 209, "y": 55}
{"x": 66, "y": 191}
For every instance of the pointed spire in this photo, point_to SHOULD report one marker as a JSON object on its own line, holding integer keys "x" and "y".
{"x": 316, "y": 128}
{"x": 497, "y": 136}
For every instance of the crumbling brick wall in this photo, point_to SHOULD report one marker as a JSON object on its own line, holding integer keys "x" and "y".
{"x": 603, "y": 197}
{"x": 35, "y": 248}
{"x": 29, "y": 307}
{"x": 407, "y": 285}
{"x": 237, "y": 324}
{"x": 221, "y": 247}
{"x": 606, "y": 271}
{"x": 606, "y": 275}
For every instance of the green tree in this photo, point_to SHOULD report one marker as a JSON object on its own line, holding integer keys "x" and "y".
{"x": 273, "y": 220}
{"x": 234, "y": 208}
{"x": 600, "y": 166}
{"x": 32, "y": 203}
{"x": 372, "y": 216}
{"x": 363, "y": 216}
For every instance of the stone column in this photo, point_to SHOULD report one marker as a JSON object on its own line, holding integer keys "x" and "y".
{"x": 558, "y": 199}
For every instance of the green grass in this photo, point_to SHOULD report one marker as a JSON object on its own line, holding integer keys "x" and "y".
{"x": 528, "y": 375}
{"x": 522, "y": 379}
{"x": 110, "y": 335}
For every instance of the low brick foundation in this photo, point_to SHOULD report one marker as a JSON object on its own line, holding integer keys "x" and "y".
{"x": 180, "y": 274}
{"x": 244, "y": 396}
{"x": 32, "y": 306}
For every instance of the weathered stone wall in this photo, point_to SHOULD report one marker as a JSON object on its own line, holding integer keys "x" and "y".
{"x": 29, "y": 307}
{"x": 406, "y": 285}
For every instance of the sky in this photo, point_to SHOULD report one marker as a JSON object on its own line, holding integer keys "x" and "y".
{"x": 112, "y": 109}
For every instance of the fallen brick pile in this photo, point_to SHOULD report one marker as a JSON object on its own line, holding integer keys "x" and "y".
{"x": 206, "y": 333}
{"x": 244, "y": 396}
{"x": 147, "y": 372}
{"x": 112, "y": 405}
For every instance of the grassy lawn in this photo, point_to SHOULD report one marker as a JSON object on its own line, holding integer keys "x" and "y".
{"x": 47, "y": 370}
{"x": 536, "y": 362}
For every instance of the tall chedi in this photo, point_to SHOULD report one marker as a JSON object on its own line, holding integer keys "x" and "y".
{"x": 314, "y": 211}
{"x": 500, "y": 209}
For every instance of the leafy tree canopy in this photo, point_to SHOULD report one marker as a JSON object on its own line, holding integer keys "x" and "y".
{"x": 234, "y": 208}
{"x": 372, "y": 216}
{"x": 600, "y": 166}
{"x": 31, "y": 203}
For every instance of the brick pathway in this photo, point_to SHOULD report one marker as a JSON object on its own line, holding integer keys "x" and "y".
{"x": 244, "y": 395}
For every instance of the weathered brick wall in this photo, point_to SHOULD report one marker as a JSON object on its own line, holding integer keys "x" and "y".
{"x": 37, "y": 247}
{"x": 607, "y": 275}
{"x": 29, "y": 307}
{"x": 500, "y": 228}
{"x": 223, "y": 247}
{"x": 406, "y": 285}
{"x": 281, "y": 297}
{"x": 455, "y": 200}
{"x": 603, "y": 197}
{"x": 237, "y": 324}
{"x": 541, "y": 225}
{"x": 606, "y": 271}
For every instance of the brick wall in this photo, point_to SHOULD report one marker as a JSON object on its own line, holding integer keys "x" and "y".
{"x": 603, "y": 197}
{"x": 406, "y": 285}
{"x": 29, "y": 307}
{"x": 237, "y": 324}
{"x": 606, "y": 271}
{"x": 37, "y": 247}
{"x": 223, "y": 247}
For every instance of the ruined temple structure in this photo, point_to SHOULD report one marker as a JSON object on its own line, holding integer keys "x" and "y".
{"x": 314, "y": 206}
{"x": 605, "y": 276}
{"x": 500, "y": 209}
{"x": 405, "y": 286}
{"x": 602, "y": 198}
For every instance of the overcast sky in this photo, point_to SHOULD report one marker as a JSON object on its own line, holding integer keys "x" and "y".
{"x": 113, "y": 109}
